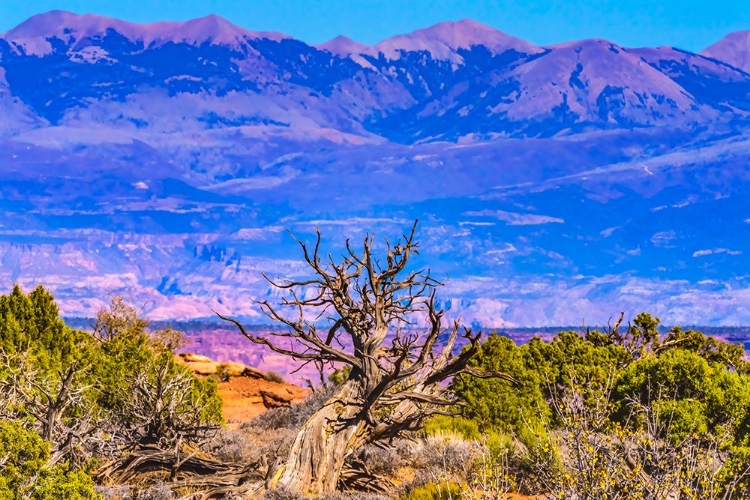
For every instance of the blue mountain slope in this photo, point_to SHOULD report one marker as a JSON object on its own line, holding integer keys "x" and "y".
{"x": 552, "y": 183}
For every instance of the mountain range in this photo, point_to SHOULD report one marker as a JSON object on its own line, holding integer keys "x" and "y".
{"x": 554, "y": 184}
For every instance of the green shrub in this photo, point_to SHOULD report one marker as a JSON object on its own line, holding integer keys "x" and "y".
{"x": 59, "y": 483}
{"x": 442, "y": 424}
{"x": 23, "y": 473}
{"x": 685, "y": 393}
{"x": 340, "y": 375}
{"x": 31, "y": 324}
{"x": 122, "y": 382}
{"x": 690, "y": 395}
{"x": 496, "y": 404}
{"x": 435, "y": 491}
{"x": 24, "y": 454}
{"x": 223, "y": 373}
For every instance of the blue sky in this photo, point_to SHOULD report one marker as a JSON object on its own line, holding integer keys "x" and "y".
{"x": 687, "y": 24}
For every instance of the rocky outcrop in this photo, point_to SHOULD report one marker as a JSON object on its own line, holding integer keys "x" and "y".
{"x": 244, "y": 390}
{"x": 279, "y": 395}
{"x": 203, "y": 365}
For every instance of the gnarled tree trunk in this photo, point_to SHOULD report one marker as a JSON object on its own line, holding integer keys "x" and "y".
{"x": 397, "y": 373}
{"x": 322, "y": 445}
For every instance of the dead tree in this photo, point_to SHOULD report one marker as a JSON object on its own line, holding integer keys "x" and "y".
{"x": 373, "y": 309}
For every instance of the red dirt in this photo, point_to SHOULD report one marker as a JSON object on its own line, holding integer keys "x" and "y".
{"x": 246, "y": 393}
{"x": 246, "y": 398}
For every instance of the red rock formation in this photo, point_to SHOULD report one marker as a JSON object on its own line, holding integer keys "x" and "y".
{"x": 245, "y": 391}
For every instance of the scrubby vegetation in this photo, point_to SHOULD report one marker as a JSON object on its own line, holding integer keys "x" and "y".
{"x": 624, "y": 413}
{"x": 616, "y": 415}
{"x": 78, "y": 406}
{"x": 396, "y": 376}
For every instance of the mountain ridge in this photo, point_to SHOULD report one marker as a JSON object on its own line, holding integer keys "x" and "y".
{"x": 52, "y": 21}
{"x": 208, "y": 29}
{"x": 444, "y": 40}
{"x": 550, "y": 182}
{"x": 387, "y": 89}
{"x": 734, "y": 49}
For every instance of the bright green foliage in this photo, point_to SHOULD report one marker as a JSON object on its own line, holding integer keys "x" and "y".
{"x": 684, "y": 396}
{"x": 23, "y": 473}
{"x": 712, "y": 350}
{"x": 568, "y": 356}
{"x": 122, "y": 381}
{"x": 498, "y": 404}
{"x": 116, "y": 359}
{"x": 60, "y": 483}
{"x": 205, "y": 395}
{"x": 690, "y": 393}
{"x": 23, "y": 454}
{"x": 30, "y": 323}
{"x": 538, "y": 366}
{"x": 692, "y": 379}
{"x": 460, "y": 426}
{"x": 436, "y": 491}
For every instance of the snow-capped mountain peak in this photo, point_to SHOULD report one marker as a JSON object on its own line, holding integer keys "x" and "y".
{"x": 733, "y": 49}
{"x": 167, "y": 159}
{"x": 33, "y": 34}
{"x": 213, "y": 29}
{"x": 49, "y": 23}
{"x": 343, "y": 46}
{"x": 444, "y": 40}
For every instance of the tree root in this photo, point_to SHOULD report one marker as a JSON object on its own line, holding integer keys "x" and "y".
{"x": 207, "y": 478}
{"x": 213, "y": 478}
{"x": 355, "y": 477}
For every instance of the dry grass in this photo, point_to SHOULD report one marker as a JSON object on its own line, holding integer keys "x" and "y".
{"x": 158, "y": 491}
{"x": 294, "y": 416}
{"x": 283, "y": 494}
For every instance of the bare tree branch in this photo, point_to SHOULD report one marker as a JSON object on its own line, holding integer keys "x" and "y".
{"x": 374, "y": 307}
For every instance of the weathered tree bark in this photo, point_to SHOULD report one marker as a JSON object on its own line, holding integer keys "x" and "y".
{"x": 322, "y": 445}
{"x": 397, "y": 373}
